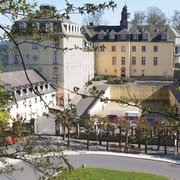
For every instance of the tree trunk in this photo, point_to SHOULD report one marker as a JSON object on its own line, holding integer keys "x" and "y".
{"x": 120, "y": 136}
{"x": 158, "y": 143}
{"x": 146, "y": 144}
{"x": 100, "y": 138}
{"x": 88, "y": 142}
{"x": 139, "y": 141}
{"x": 68, "y": 142}
{"x": 165, "y": 146}
{"x": 64, "y": 135}
{"x": 126, "y": 141}
{"x": 107, "y": 143}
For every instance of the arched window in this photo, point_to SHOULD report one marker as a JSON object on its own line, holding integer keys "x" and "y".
{"x": 55, "y": 72}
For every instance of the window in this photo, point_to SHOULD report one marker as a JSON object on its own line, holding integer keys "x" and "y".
{"x": 55, "y": 58}
{"x": 111, "y": 36}
{"x": 155, "y": 48}
{"x": 123, "y": 36}
{"x": 145, "y": 36}
{"x": 65, "y": 26}
{"x": 101, "y": 36}
{"x": 122, "y": 60}
{"x": 113, "y": 60}
{"x": 34, "y": 57}
{"x": 115, "y": 70}
{"x": 22, "y": 26}
{"x": 143, "y": 61}
{"x": 35, "y": 26}
{"x": 35, "y": 100}
{"x": 55, "y": 72}
{"x": 133, "y": 60}
{"x": 105, "y": 70}
{"x": 155, "y": 61}
{"x": 34, "y": 45}
{"x": 30, "y": 104}
{"x": 133, "y": 48}
{"x": 135, "y": 36}
{"x": 164, "y": 36}
{"x": 143, "y": 48}
{"x": 113, "y": 48}
{"x": 102, "y": 48}
{"x": 134, "y": 70}
{"x": 123, "y": 48}
{"x": 16, "y": 59}
{"x": 49, "y": 27}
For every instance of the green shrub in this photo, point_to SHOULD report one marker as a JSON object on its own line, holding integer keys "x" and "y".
{"x": 98, "y": 78}
{"x": 119, "y": 80}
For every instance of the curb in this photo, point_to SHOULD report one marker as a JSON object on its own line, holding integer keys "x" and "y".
{"x": 137, "y": 156}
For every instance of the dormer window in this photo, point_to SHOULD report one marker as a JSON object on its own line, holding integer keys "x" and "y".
{"x": 111, "y": 36}
{"x": 145, "y": 36}
{"x": 36, "y": 26}
{"x": 123, "y": 36}
{"x": 101, "y": 36}
{"x": 49, "y": 27}
{"x": 135, "y": 36}
{"x": 164, "y": 36}
{"x": 22, "y": 26}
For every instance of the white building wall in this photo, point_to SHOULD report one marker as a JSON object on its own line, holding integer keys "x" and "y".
{"x": 99, "y": 106}
{"x": 78, "y": 66}
{"x": 30, "y": 108}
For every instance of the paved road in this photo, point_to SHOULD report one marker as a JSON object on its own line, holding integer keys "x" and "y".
{"x": 122, "y": 163}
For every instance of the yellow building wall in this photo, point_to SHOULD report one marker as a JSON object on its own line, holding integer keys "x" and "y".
{"x": 164, "y": 67}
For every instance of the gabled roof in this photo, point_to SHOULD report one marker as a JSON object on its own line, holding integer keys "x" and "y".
{"x": 112, "y": 32}
{"x": 18, "y": 78}
{"x": 91, "y": 32}
{"x": 123, "y": 31}
{"x": 145, "y": 32}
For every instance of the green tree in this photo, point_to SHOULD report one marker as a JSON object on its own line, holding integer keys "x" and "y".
{"x": 88, "y": 124}
{"x": 67, "y": 119}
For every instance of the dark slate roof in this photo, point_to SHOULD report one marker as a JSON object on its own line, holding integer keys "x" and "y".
{"x": 91, "y": 32}
{"x": 85, "y": 104}
{"x": 18, "y": 78}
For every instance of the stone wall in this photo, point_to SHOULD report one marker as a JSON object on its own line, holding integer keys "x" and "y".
{"x": 140, "y": 93}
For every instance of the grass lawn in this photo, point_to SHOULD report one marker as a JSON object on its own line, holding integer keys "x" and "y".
{"x": 105, "y": 174}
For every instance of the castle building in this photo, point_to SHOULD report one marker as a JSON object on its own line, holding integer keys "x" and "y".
{"x": 141, "y": 52}
{"x": 56, "y": 48}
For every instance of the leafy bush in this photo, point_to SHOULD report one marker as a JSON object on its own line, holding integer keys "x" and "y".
{"x": 98, "y": 78}
{"x": 119, "y": 80}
